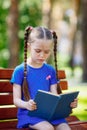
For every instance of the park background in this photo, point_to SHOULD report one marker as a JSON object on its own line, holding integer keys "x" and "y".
{"x": 68, "y": 18}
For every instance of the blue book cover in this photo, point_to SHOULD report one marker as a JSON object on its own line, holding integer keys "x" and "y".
{"x": 51, "y": 106}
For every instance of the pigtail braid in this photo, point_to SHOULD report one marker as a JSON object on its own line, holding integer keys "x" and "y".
{"x": 25, "y": 84}
{"x": 55, "y": 60}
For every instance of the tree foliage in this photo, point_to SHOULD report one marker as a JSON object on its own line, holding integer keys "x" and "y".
{"x": 3, "y": 32}
{"x": 29, "y": 14}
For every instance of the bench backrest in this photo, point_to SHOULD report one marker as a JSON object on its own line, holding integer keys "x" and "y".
{"x": 7, "y": 108}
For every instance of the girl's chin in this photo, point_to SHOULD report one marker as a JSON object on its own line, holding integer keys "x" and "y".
{"x": 39, "y": 62}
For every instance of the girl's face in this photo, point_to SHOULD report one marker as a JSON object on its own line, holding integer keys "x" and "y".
{"x": 40, "y": 50}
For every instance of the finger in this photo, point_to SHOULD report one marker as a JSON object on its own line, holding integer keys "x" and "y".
{"x": 32, "y": 102}
{"x": 33, "y": 106}
{"x": 73, "y": 105}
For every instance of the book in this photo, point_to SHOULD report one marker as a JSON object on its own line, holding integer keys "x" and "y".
{"x": 51, "y": 106}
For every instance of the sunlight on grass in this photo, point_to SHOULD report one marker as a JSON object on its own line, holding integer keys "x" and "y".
{"x": 75, "y": 83}
{"x": 81, "y": 110}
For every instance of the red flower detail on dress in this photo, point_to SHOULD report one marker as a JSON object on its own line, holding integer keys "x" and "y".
{"x": 48, "y": 77}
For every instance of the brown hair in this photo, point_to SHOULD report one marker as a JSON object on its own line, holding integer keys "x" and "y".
{"x": 40, "y": 33}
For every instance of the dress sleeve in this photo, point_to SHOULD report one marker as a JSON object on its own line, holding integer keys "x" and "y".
{"x": 53, "y": 77}
{"x": 17, "y": 76}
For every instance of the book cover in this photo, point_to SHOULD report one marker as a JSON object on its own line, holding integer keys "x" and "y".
{"x": 51, "y": 106}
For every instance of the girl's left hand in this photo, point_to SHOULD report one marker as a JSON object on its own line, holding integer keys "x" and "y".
{"x": 74, "y": 103}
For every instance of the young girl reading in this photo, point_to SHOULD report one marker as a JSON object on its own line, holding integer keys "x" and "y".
{"x": 36, "y": 74}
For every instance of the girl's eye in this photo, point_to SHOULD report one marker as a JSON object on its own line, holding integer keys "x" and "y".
{"x": 38, "y": 51}
{"x": 47, "y": 52}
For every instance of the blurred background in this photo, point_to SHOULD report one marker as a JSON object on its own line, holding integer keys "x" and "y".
{"x": 68, "y": 18}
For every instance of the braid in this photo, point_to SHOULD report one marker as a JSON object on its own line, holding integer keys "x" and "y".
{"x": 55, "y": 60}
{"x": 25, "y": 84}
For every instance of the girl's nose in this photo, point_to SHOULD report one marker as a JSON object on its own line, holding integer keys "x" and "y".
{"x": 42, "y": 54}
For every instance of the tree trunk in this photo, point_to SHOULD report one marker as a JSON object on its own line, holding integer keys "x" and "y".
{"x": 13, "y": 40}
{"x": 84, "y": 37}
{"x": 47, "y": 10}
{"x": 76, "y": 8}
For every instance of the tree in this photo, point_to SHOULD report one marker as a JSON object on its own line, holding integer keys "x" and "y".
{"x": 74, "y": 29}
{"x": 4, "y": 53}
{"x": 13, "y": 33}
{"x": 47, "y": 19}
{"x": 84, "y": 37}
{"x": 21, "y": 14}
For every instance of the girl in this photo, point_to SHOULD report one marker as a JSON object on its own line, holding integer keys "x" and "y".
{"x": 36, "y": 74}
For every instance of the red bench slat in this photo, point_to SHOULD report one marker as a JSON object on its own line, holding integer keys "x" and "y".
{"x": 9, "y": 124}
{"x": 6, "y": 99}
{"x": 8, "y": 113}
{"x": 5, "y": 86}
{"x": 61, "y": 74}
{"x": 6, "y": 73}
{"x": 63, "y": 85}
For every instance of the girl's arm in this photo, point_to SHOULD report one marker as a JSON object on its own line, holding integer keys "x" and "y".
{"x": 30, "y": 105}
{"x": 53, "y": 88}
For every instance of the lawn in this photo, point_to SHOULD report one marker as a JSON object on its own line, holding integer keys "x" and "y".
{"x": 81, "y": 110}
{"x": 76, "y": 84}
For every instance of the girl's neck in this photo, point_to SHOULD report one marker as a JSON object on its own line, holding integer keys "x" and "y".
{"x": 33, "y": 64}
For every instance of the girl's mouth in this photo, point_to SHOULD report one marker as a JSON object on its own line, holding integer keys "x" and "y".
{"x": 41, "y": 60}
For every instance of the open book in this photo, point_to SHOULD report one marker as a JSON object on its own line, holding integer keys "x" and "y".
{"x": 51, "y": 106}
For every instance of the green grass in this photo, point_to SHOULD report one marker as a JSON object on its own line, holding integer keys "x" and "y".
{"x": 76, "y": 84}
{"x": 81, "y": 110}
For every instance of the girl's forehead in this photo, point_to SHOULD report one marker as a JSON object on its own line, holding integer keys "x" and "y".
{"x": 42, "y": 43}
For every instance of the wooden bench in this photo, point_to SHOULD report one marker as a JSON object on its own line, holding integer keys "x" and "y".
{"x": 8, "y": 112}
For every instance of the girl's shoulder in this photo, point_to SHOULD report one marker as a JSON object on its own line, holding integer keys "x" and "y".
{"x": 50, "y": 67}
{"x": 18, "y": 75}
{"x": 19, "y": 68}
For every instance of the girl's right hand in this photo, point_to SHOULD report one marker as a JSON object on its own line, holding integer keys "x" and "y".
{"x": 31, "y": 105}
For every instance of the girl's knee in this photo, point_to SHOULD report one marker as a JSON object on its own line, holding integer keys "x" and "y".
{"x": 42, "y": 126}
{"x": 63, "y": 126}
{"x": 49, "y": 127}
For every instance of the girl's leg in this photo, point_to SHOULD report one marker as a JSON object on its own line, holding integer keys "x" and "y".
{"x": 63, "y": 126}
{"x": 44, "y": 125}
